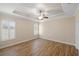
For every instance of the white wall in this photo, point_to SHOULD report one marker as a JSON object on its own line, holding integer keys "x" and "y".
{"x": 77, "y": 28}
{"x": 24, "y": 30}
{"x": 60, "y": 30}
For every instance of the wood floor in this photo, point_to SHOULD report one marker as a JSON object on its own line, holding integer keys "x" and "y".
{"x": 39, "y": 47}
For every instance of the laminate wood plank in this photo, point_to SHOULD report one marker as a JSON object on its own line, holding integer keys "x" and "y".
{"x": 39, "y": 47}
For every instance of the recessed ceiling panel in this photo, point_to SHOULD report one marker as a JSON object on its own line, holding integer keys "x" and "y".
{"x": 31, "y": 10}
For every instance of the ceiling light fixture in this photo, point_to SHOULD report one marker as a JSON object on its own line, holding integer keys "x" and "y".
{"x": 40, "y": 17}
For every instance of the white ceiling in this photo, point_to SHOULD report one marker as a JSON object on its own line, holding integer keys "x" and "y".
{"x": 28, "y": 9}
{"x": 69, "y": 8}
{"x": 9, "y": 7}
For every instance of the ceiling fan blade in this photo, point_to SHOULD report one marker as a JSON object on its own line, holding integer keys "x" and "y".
{"x": 46, "y": 17}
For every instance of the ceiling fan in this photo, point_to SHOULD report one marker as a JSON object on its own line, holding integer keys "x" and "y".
{"x": 42, "y": 15}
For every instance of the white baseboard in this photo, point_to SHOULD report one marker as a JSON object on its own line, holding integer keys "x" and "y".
{"x": 7, "y": 45}
{"x": 59, "y": 41}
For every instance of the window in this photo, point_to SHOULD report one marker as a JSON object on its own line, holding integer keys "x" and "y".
{"x": 7, "y": 30}
{"x": 36, "y": 28}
